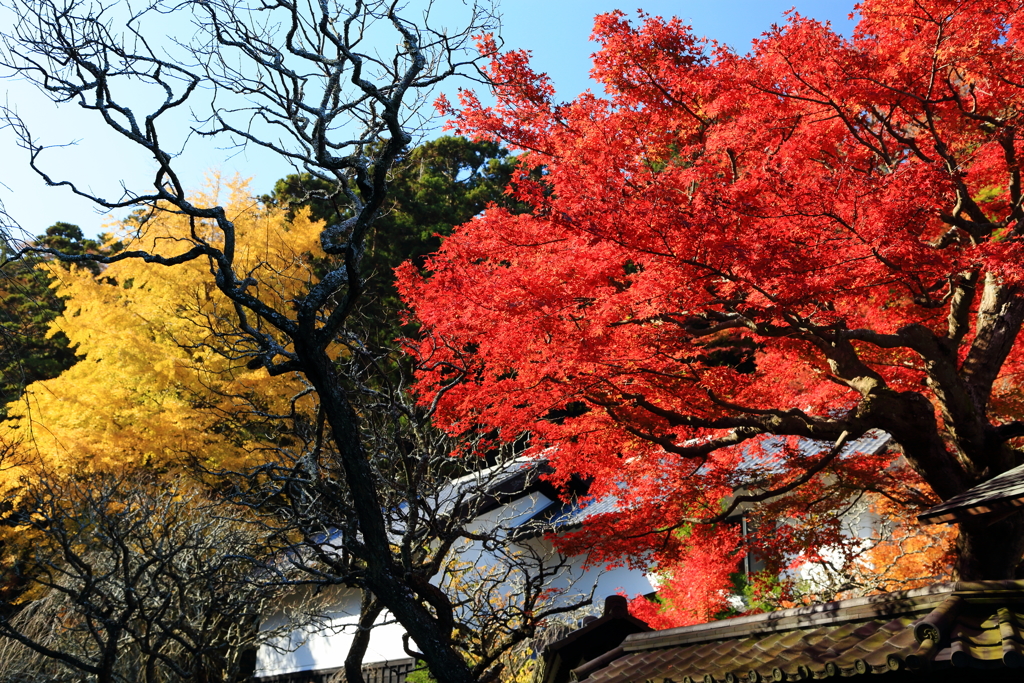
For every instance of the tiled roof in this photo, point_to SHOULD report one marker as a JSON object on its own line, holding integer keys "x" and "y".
{"x": 509, "y": 478}
{"x": 591, "y": 641}
{"x": 761, "y": 453}
{"x": 999, "y": 494}
{"x": 953, "y": 627}
{"x": 570, "y": 515}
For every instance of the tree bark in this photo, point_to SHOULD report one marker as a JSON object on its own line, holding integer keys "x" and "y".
{"x": 990, "y": 551}
{"x": 384, "y": 578}
{"x": 368, "y": 613}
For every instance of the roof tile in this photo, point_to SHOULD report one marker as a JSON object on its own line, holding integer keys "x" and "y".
{"x": 978, "y": 625}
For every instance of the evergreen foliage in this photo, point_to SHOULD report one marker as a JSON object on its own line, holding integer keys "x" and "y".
{"x": 29, "y": 303}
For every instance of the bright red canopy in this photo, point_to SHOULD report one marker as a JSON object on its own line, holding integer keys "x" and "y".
{"x": 817, "y": 239}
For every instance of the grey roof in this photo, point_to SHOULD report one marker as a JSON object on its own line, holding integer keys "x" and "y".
{"x": 510, "y": 477}
{"x": 575, "y": 513}
{"x": 591, "y": 642}
{"x": 762, "y": 456}
{"x": 1000, "y": 494}
{"x": 967, "y": 631}
{"x": 561, "y": 516}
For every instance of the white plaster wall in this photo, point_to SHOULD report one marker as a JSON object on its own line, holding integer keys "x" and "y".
{"x": 324, "y": 645}
{"x": 859, "y": 522}
{"x": 574, "y": 579}
{"x": 578, "y": 579}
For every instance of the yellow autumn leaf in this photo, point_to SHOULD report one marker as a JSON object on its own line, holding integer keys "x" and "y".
{"x": 156, "y": 386}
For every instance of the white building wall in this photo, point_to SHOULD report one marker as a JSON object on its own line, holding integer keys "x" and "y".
{"x": 324, "y": 644}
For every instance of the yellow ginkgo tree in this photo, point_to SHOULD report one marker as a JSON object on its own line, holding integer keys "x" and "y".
{"x": 336, "y": 96}
{"x": 159, "y": 383}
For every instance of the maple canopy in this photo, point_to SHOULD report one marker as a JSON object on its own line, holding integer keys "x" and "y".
{"x": 814, "y": 240}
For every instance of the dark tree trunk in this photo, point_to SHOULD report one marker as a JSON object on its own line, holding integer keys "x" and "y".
{"x": 384, "y": 578}
{"x": 370, "y": 610}
{"x": 990, "y": 550}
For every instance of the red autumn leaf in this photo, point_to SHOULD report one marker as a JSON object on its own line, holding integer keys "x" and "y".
{"x": 820, "y": 238}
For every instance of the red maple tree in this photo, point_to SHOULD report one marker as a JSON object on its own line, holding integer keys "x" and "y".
{"x": 814, "y": 240}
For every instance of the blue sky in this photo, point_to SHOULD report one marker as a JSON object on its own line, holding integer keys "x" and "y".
{"x": 555, "y": 31}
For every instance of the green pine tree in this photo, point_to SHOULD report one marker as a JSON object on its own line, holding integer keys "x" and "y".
{"x": 28, "y": 306}
{"x": 435, "y": 187}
